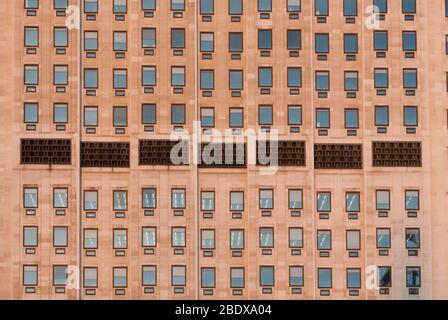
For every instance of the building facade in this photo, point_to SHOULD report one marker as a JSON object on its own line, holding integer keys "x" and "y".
{"x": 351, "y": 95}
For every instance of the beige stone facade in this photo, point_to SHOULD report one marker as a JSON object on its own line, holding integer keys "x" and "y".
{"x": 36, "y": 264}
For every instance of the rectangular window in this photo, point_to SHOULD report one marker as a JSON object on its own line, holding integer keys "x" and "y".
{"x": 149, "y": 38}
{"x": 30, "y": 112}
{"x": 207, "y": 200}
{"x": 351, "y": 118}
{"x": 381, "y": 4}
{"x": 31, "y": 36}
{"x": 236, "y": 239}
{"x": 91, "y": 116}
{"x": 120, "y": 6}
{"x": 148, "y": 76}
{"x": 178, "y": 5}
{"x": 294, "y": 77}
{"x": 60, "y": 75}
{"x": 236, "y": 201}
{"x": 178, "y": 237}
{"x": 91, "y": 40}
{"x": 265, "y": 76}
{"x": 235, "y": 42}
{"x": 120, "y": 40}
{"x": 120, "y": 200}
{"x": 412, "y": 201}
{"x": 294, "y": 6}
{"x": 30, "y": 198}
{"x": 120, "y": 78}
{"x": 236, "y": 79}
{"x": 323, "y": 239}
{"x": 31, "y": 74}
{"x": 91, "y": 78}
{"x": 149, "y": 113}
{"x": 31, "y": 4}
{"x": 207, "y": 42}
{"x": 207, "y": 79}
{"x": 60, "y": 236}
{"x": 322, "y": 43}
{"x": 60, "y": 113}
{"x": 30, "y": 237}
{"x": 352, "y": 202}
{"x": 265, "y": 39}
{"x": 295, "y": 199}
{"x": 382, "y": 200}
{"x": 381, "y": 115}
{"x": 384, "y": 276}
{"x": 295, "y": 237}
{"x": 149, "y": 4}
{"x": 235, "y": 7}
{"x": 91, "y": 6}
{"x": 350, "y": 43}
{"x": 322, "y": 118}
{"x": 383, "y": 239}
{"x": 266, "y": 199}
{"x": 120, "y": 238}
{"x": 208, "y": 239}
{"x": 266, "y": 276}
{"x": 90, "y": 238}
{"x": 413, "y": 277}
{"x": 409, "y": 6}
{"x": 264, "y": 5}
{"x": 60, "y": 275}
{"x": 60, "y": 198}
{"x": 30, "y": 275}
{"x": 60, "y": 37}
{"x": 91, "y": 200}
{"x": 321, "y": 7}
{"x": 294, "y": 39}
{"x": 90, "y": 277}
{"x": 380, "y": 40}
{"x": 237, "y": 277}
{"x": 177, "y": 114}
{"x": 120, "y": 277}
{"x": 353, "y": 278}
{"x": 177, "y": 76}
{"x": 178, "y": 199}
{"x": 351, "y": 80}
{"x": 412, "y": 238}
{"x": 149, "y": 237}
{"x": 323, "y": 201}
{"x": 410, "y": 116}
{"x": 149, "y": 275}
{"x": 322, "y": 80}
{"x": 236, "y": 118}
{"x": 207, "y": 6}
{"x": 410, "y": 78}
{"x": 324, "y": 278}
{"x": 265, "y": 115}
{"x": 149, "y": 198}
{"x": 177, "y": 38}
{"x": 294, "y": 115}
{"x": 381, "y": 78}
{"x": 296, "y": 276}
{"x": 178, "y": 275}
{"x": 120, "y": 115}
{"x": 207, "y": 117}
{"x": 350, "y": 8}
{"x": 353, "y": 240}
{"x": 409, "y": 40}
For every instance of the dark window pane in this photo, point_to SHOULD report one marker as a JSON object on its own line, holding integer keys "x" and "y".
{"x": 236, "y": 6}
{"x": 322, "y": 118}
{"x": 381, "y": 116}
{"x": 235, "y": 42}
{"x": 351, "y": 119}
{"x": 149, "y": 114}
{"x": 410, "y": 116}
{"x": 265, "y": 77}
{"x": 350, "y": 8}
{"x": 294, "y": 39}
{"x": 178, "y": 114}
{"x": 321, "y": 7}
{"x": 322, "y": 43}
{"x": 380, "y": 40}
{"x": 294, "y": 115}
{"x": 409, "y": 41}
{"x": 350, "y": 43}
{"x": 207, "y": 6}
{"x": 265, "y": 39}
